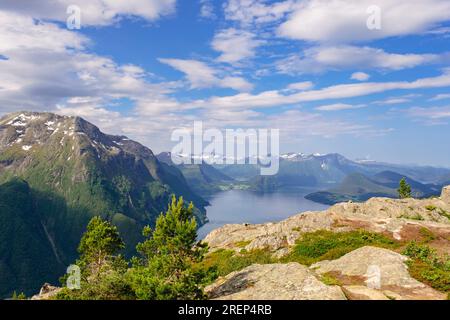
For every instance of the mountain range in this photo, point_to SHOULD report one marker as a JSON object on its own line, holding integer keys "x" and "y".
{"x": 358, "y": 187}
{"x": 56, "y": 173}
{"x": 317, "y": 171}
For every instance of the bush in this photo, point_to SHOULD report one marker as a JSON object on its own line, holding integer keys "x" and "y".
{"x": 222, "y": 262}
{"x": 426, "y": 266}
{"x": 327, "y": 245}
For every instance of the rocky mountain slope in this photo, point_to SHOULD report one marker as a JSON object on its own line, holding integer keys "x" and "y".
{"x": 403, "y": 221}
{"x": 73, "y": 172}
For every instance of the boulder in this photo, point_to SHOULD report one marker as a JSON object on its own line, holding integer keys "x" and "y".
{"x": 378, "y": 269}
{"x": 290, "y": 281}
{"x": 363, "y": 293}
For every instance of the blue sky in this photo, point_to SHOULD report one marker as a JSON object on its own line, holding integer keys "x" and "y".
{"x": 311, "y": 68}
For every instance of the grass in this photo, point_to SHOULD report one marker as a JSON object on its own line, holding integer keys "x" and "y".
{"x": 444, "y": 213}
{"x": 427, "y": 267}
{"x": 427, "y": 235}
{"x": 242, "y": 244}
{"x": 416, "y": 216}
{"x": 226, "y": 261}
{"x": 440, "y": 211}
{"x": 310, "y": 248}
{"x": 327, "y": 245}
{"x": 330, "y": 280}
{"x": 424, "y": 264}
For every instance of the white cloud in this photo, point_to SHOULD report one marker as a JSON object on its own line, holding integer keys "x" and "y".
{"x": 344, "y": 21}
{"x": 395, "y": 101}
{"x": 442, "y": 96}
{"x": 398, "y": 100}
{"x": 21, "y": 32}
{"x": 277, "y": 98}
{"x": 340, "y": 106}
{"x": 235, "y": 45}
{"x": 93, "y": 12}
{"x": 295, "y": 124}
{"x": 300, "y": 86}
{"x": 360, "y": 76}
{"x": 430, "y": 115}
{"x": 321, "y": 59}
{"x": 46, "y": 66}
{"x": 249, "y": 12}
{"x": 207, "y": 9}
{"x": 200, "y": 75}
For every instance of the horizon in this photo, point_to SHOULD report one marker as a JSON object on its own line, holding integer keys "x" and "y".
{"x": 316, "y": 72}
{"x": 297, "y": 152}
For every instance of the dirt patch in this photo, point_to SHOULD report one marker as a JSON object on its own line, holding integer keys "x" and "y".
{"x": 346, "y": 280}
{"x": 348, "y": 225}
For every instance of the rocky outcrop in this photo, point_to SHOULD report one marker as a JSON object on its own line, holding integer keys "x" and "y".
{"x": 290, "y": 281}
{"x": 47, "y": 292}
{"x": 368, "y": 273}
{"x": 380, "y": 272}
{"x": 402, "y": 219}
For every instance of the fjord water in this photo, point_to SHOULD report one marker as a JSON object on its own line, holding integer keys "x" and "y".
{"x": 240, "y": 206}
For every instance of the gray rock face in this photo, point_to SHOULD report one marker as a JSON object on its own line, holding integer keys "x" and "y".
{"x": 290, "y": 281}
{"x": 378, "y": 269}
{"x": 363, "y": 293}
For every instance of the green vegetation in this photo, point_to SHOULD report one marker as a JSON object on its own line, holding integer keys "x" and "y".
{"x": 242, "y": 244}
{"x": 222, "y": 262}
{"x": 415, "y": 216}
{"x": 427, "y": 235}
{"x": 311, "y": 247}
{"x": 327, "y": 245}
{"x": 26, "y": 255}
{"x": 20, "y": 296}
{"x": 426, "y": 266}
{"x": 72, "y": 179}
{"x": 330, "y": 280}
{"x": 165, "y": 270}
{"x": 444, "y": 213}
{"x": 440, "y": 211}
{"x": 404, "y": 189}
{"x": 102, "y": 268}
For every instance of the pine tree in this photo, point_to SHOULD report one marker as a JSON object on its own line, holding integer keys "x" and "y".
{"x": 99, "y": 246}
{"x": 404, "y": 190}
{"x": 103, "y": 269}
{"x": 168, "y": 256}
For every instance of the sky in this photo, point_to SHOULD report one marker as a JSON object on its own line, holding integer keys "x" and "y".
{"x": 368, "y": 79}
